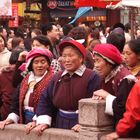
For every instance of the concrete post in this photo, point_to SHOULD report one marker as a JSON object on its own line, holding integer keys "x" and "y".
{"x": 93, "y": 119}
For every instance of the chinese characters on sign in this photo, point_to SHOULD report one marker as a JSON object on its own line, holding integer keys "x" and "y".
{"x": 14, "y": 23}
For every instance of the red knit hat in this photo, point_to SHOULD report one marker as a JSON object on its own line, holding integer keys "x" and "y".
{"x": 74, "y": 44}
{"x": 108, "y": 52}
{"x": 37, "y": 52}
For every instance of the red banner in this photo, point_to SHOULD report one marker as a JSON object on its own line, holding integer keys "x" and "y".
{"x": 95, "y": 3}
{"x": 14, "y": 23}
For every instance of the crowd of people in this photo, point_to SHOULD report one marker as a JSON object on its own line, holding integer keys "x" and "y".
{"x": 44, "y": 74}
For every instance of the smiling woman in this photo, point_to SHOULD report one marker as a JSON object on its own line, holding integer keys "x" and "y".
{"x": 25, "y": 103}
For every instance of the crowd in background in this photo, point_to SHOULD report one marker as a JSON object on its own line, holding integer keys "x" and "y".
{"x": 45, "y": 71}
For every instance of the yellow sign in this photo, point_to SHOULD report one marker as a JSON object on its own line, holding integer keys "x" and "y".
{"x": 21, "y": 8}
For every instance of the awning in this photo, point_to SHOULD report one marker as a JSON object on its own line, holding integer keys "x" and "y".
{"x": 66, "y": 14}
{"x": 95, "y": 3}
{"x": 130, "y": 3}
{"x": 125, "y": 3}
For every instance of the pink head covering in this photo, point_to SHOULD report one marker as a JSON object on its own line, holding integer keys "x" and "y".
{"x": 38, "y": 52}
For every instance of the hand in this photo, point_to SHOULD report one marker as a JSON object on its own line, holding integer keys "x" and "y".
{"x": 22, "y": 56}
{"x": 29, "y": 127}
{"x": 100, "y": 94}
{"x": 112, "y": 136}
{"x": 76, "y": 128}
{"x": 40, "y": 128}
{"x": 5, "y": 122}
{"x": 60, "y": 59}
{"x": 95, "y": 97}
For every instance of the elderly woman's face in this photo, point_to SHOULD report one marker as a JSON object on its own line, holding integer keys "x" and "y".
{"x": 71, "y": 59}
{"x": 102, "y": 66}
{"x": 40, "y": 65}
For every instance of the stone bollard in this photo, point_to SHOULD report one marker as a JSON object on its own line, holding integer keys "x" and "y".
{"x": 95, "y": 123}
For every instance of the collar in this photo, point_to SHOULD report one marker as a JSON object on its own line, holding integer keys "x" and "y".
{"x": 32, "y": 77}
{"x": 5, "y": 51}
{"x": 113, "y": 73}
{"x": 79, "y": 71}
{"x": 135, "y": 70}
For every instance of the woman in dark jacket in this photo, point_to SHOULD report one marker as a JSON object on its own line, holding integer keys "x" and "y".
{"x": 6, "y": 88}
{"x": 117, "y": 80}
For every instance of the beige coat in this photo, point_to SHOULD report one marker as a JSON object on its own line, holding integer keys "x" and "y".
{"x": 4, "y": 58}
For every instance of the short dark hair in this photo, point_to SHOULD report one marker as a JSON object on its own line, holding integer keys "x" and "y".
{"x": 119, "y": 25}
{"x": 42, "y": 39}
{"x": 135, "y": 45}
{"x": 67, "y": 28}
{"x": 15, "y": 54}
{"x": 78, "y": 33}
{"x": 3, "y": 40}
{"x": 127, "y": 27}
{"x": 16, "y": 41}
{"x": 118, "y": 40}
{"x": 37, "y": 31}
{"x": 47, "y": 27}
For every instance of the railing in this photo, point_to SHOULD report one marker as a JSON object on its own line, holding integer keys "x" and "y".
{"x": 95, "y": 124}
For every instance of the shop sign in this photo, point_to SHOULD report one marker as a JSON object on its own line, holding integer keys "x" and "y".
{"x": 52, "y": 4}
{"x": 66, "y": 3}
{"x": 14, "y": 23}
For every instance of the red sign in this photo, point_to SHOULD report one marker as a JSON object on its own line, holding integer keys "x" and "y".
{"x": 52, "y": 4}
{"x": 95, "y": 3}
{"x": 14, "y": 23}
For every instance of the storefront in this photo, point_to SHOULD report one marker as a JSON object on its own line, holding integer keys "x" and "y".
{"x": 65, "y": 11}
{"x": 112, "y": 16}
{"x": 61, "y": 11}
